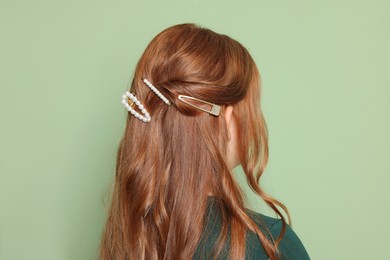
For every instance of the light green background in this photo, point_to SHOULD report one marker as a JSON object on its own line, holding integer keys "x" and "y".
{"x": 326, "y": 76}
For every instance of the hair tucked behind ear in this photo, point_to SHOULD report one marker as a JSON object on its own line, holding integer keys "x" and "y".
{"x": 166, "y": 168}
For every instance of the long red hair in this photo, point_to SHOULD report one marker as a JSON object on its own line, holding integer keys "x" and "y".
{"x": 166, "y": 168}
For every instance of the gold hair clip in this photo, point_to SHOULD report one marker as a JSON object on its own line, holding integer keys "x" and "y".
{"x": 215, "y": 109}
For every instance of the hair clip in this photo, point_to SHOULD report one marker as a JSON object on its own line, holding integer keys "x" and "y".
{"x": 215, "y": 109}
{"x": 158, "y": 93}
{"x": 146, "y": 117}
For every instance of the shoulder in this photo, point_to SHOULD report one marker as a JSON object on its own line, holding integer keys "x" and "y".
{"x": 290, "y": 247}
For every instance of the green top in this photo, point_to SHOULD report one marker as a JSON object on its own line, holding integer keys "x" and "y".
{"x": 290, "y": 246}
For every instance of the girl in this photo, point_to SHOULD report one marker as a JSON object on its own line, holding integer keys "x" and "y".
{"x": 193, "y": 115}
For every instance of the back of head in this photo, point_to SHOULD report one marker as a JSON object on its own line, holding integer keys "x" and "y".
{"x": 166, "y": 168}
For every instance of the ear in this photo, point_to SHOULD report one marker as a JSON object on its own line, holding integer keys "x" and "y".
{"x": 228, "y": 117}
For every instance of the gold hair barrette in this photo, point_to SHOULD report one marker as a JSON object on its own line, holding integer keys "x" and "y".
{"x": 215, "y": 109}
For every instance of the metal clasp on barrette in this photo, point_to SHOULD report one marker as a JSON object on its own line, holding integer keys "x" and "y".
{"x": 215, "y": 109}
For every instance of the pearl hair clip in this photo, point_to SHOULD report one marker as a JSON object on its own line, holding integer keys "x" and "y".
{"x": 146, "y": 116}
{"x": 158, "y": 93}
